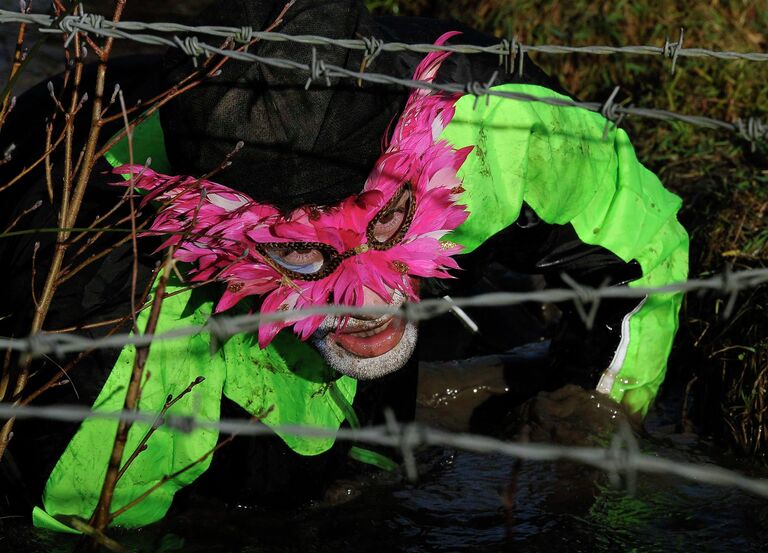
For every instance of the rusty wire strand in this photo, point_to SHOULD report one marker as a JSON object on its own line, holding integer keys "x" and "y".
{"x": 622, "y": 457}
{"x": 222, "y": 327}
{"x": 751, "y": 129}
{"x": 507, "y": 48}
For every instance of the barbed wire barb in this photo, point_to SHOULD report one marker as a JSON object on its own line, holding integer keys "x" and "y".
{"x": 609, "y": 110}
{"x": 672, "y": 50}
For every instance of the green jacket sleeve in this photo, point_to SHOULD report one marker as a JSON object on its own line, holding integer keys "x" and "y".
{"x": 557, "y": 160}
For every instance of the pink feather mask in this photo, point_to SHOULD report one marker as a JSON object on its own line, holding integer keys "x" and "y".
{"x": 381, "y": 239}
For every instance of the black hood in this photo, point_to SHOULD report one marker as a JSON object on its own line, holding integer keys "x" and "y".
{"x": 302, "y": 146}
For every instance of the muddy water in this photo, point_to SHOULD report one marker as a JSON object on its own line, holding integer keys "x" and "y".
{"x": 470, "y": 502}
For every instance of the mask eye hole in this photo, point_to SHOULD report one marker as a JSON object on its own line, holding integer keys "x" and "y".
{"x": 299, "y": 260}
{"x": 302, "y": 261}
{"x": 391, "y": 223}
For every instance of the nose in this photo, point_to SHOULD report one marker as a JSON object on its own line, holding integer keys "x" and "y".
{"x": 372, "y": 299}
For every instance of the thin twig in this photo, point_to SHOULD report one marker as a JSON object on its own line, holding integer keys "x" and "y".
{"x": 97, "y": 221}
{"x": 142, "y": 445}
{"x": 101, "y": 514}
{"x": 24, "y": 172}
{"x": 32, "y": 279}
{"x": 25, "y": 58}
{"x": 23, "y": 214}
{"x": 48, "y": 162}
{"x": 66, "y": 193}
{"x": 182, "y": 470}
{"x": 7, "y": 103}
{"x": 68, "y": 273}
{"x": 95, "y": 534}
{"x": 226, "y": 163}
{"x": 132, "y": 206}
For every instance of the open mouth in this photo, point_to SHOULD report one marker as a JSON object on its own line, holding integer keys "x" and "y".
{"x": 370, "y": 338}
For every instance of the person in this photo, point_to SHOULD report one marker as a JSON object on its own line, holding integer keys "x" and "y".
{"x": 277, "y": 197}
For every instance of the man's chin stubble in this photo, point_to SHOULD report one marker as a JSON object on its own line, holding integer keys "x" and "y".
{"x": 367, "y": 368}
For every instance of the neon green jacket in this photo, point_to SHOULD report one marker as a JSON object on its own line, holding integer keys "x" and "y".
{"x": 555, "y": 159}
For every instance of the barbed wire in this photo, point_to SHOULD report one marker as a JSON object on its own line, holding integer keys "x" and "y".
{"x": 622, "y": 458}
{"x": 751, "y": 129}
{"x": 223, "y": 327}
{"x": 509, "y": 49}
